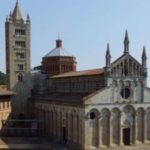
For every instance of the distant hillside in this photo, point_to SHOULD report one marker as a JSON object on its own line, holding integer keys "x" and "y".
{"x": 2, "y": 78}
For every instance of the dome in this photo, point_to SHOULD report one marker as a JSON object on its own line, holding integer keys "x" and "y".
{"x": 58, "y": 51}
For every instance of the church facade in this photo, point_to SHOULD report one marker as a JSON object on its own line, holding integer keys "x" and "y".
{"x": 104, "y": 107}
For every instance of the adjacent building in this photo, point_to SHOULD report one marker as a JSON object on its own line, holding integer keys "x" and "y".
{"x": 5, "y": 105}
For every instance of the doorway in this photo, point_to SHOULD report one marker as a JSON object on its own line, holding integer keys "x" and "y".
{"x": 64, "y": 133}
{"x": 126, "y": 136}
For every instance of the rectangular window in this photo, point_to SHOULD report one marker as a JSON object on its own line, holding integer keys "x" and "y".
{"x": 19, "y": 55}
{"x": 19, "y": 32}
{"x": 20, "y": 67}
{"x": 3, "y": 105}
{"x": 20, "y": 44}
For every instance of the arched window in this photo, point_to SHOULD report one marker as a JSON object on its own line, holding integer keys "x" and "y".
{"x": 20, "y": 77}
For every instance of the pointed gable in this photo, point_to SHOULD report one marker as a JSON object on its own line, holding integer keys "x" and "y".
{"x": 126, "y": 65}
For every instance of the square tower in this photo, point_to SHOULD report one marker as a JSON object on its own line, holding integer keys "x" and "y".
{"x": 17, "y": 32}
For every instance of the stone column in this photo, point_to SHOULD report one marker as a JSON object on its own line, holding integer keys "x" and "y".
{"x": 75, "y": 128}
{"x": 69, "y": 126}
{"x": 42, "y": 121}
{"x": 110, "y": 130}
{"x": 58, "y": 125}
{"x": 77, "y": 119}
{"x": 80, "y": 123}
{"x": 135, "y": 127}
{"x": 145, "y": 128}
{"x": 100, "y": 132}
{"x": 86, "y": 134}
{"x": 47, "y": 123}
{"x": 51, "y": 123}
{"x": 120, "y": 131}
{"x": 56, "y": 131}
{"x": 131, "y": 68}
{"x": 60, "y": 129}
{"x": 54, "y": 126}
{"x": 123, "y": 67}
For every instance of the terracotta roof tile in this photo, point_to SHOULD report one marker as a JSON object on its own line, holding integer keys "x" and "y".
{"x": 92, "y": 72}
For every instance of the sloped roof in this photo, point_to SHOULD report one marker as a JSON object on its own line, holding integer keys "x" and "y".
{"x": 6, "y": 93}
{"x": 17, "y": 12}
{"x": 124, "y": 55}
{"x": 73, "y": 98}
{"x": 92, "y": 72}
{"x": 59, "y": 51}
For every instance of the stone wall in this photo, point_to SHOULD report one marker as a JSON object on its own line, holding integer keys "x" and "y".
{"x": 5, "y": 109}
{"x": 77, "y": 84}
{"x": 106, "y": 128}
{"x": 64, "y": 124}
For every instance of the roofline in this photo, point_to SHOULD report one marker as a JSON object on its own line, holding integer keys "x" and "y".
{"x": 63, "y": 102}
{"x": 84, "y": 75}
{"x": 8, "y": 94}
{"x": 123, "y": 56}
{"x": 70, "y": 55}
{"x": 94, "y": 93}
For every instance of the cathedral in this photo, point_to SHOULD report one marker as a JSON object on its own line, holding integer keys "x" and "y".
{"x": 89, "y": 109}
{"x": 95, "y": 108}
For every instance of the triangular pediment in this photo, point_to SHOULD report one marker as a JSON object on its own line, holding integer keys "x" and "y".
{"x": 124, "y": 57}
{"x": 126, "y": 65}
{"x": 102, "y": 96}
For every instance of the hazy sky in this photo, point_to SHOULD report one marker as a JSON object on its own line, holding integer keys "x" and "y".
{"x": 85, "y": 26}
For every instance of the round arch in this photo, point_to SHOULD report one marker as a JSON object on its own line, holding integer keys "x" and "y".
{"x": 94, "y": 126}
{"x": 105, "y": 124}
{"x": 115, "y": 124}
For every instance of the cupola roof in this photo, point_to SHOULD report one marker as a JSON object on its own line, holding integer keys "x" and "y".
{"x": 58, "y": 51}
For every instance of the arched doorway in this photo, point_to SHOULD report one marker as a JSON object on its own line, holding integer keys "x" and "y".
{"x": 126, "y": 136}
{"x": 128, "y": 125}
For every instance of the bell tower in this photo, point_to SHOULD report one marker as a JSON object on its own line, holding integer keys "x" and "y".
{"x": 17, "y": 34}
{"x": 17, "y": 37}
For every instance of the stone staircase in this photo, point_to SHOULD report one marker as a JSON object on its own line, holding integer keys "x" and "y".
{"x": 29, "y": 143}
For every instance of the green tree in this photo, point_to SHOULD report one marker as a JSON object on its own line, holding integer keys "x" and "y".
{"x": 2, "y": 78}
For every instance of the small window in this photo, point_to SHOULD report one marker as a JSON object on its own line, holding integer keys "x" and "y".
{"x": 92, "y": 115}
{"x": 19, "y": 55}
{"x": 8, "y": 104}
{"x": 19, "y": 32}
{"x": 20, "y": 77}
{"x": 125, "y": 93}
{"x": 20, "y": 44}
{"x": 20, "y": 67}
{"x": 3, "y": 105}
